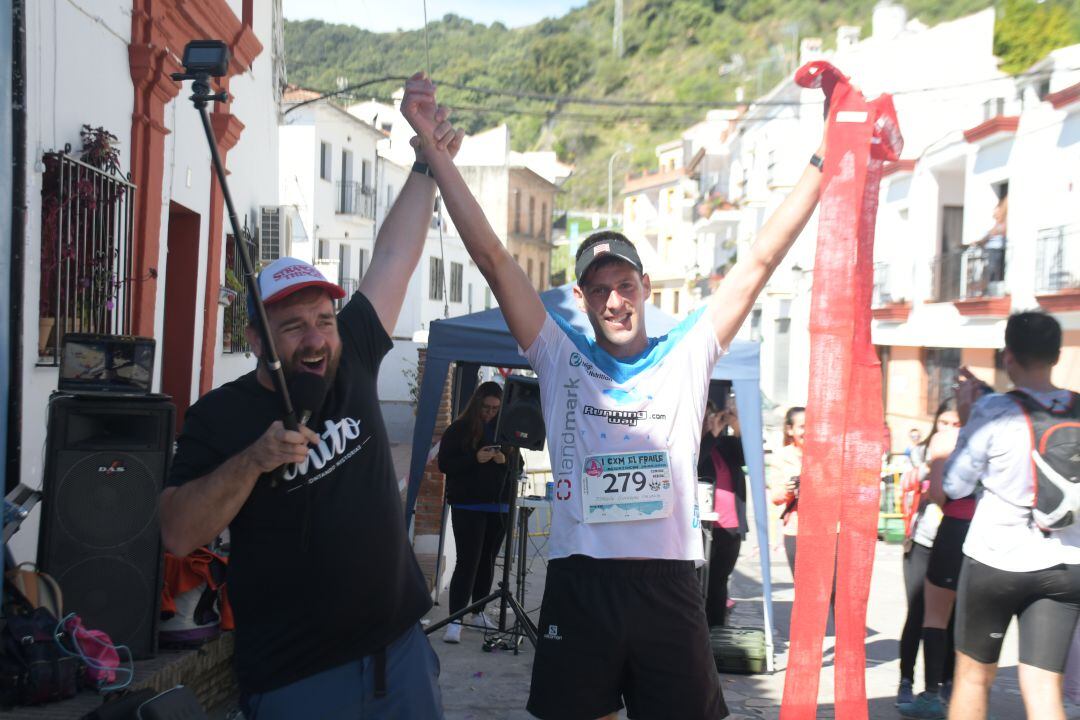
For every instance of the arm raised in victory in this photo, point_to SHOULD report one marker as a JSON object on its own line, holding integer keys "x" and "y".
{"x": 400, "y": 242}
{"x": 518, "y": 300}
{"x": 738, "y": 291}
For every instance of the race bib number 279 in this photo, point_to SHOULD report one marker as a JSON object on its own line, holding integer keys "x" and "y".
{"x": 624, "y": 487}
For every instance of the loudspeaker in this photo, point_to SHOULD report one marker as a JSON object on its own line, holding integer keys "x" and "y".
{"x": 106, "y": 460}
{"x": 521, "y": 422}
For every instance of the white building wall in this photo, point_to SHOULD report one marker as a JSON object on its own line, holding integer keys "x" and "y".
{"x": 318, "y": 199}
{"x": 59, "y": 101}
{"x": 776, "y": 142}
{"x": 63, "y": 94}
{"x": 298, "y": 160}
{"x": 1040, "y": 161}
{"x": 252, "y": 162}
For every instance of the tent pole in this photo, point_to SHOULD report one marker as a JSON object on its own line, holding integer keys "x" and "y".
{"x": 748, "y": 401}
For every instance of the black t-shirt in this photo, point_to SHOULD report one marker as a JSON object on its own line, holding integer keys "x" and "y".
{"x": 321, "y": 571}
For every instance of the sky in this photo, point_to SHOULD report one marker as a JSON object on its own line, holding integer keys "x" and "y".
{"x": 389, "y": 15}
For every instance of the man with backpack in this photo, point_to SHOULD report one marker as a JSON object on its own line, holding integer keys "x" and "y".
{"x": 1022, "y": 553}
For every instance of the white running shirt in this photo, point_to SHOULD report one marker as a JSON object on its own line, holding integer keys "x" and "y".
{"x": 994, "y": 452}
{"x": 639, "y": 415}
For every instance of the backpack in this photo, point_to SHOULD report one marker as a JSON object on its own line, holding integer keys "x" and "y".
{"x": 1055, "y": 460}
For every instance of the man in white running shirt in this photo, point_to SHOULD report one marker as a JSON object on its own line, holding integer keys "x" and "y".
{"x": 622, "y": 620}
{"x": 1012, "y": 566}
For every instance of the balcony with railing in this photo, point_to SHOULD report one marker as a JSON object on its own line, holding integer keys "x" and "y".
{"x": 86, "y": 252}
{"x": 354, "y": 198}
{"x": 1057, "y": 268}
{"x": 885, "y": 307}
{"x": 973, "y": 279}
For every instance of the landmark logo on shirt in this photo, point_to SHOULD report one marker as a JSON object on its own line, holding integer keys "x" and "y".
{"x": 617, "y": 417}
{"x": 552, "y": 633}
{"x": 575, "y": 359}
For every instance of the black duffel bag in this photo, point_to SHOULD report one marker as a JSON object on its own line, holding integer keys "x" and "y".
{"x": 33, "y": 668}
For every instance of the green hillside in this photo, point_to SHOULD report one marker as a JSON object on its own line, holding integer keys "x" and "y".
{"x": 673, "y": 52}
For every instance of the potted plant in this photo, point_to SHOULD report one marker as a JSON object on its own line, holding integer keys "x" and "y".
{"x": 231, "y": 290}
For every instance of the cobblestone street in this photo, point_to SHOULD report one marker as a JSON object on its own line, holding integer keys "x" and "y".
{"x": 478, "y": 685}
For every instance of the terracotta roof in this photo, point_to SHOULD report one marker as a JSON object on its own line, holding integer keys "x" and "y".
{"x": 999, "y": 124}
{"x": 652, "y": 178}
{"x": 1064, "y": 97}
{"x": 900, "y": 166}
{"x": 295, "y": 93}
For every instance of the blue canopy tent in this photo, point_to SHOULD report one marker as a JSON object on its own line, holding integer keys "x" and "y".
{"x": 482, "y": 338}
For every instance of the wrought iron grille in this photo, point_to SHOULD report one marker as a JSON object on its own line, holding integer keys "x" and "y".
{"x": 233, "y": 338}
{"x": 355, "y": 199}
{"x": 86, "y": 252}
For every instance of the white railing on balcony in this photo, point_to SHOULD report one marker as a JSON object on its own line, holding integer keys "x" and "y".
{"x": 1057, "y": 259}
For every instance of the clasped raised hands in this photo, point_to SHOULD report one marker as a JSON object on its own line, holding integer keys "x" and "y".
{"x": 429, "y": 119}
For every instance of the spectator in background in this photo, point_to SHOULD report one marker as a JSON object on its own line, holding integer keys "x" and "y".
{"x": 942, "y": 575}
{"x": 720, "y": 461}
{"x": 986, "y": 256}
{"x": 917, "y": 548}
{"x": 478, "y": 492}
{"x": 786, "y": 468}
{"x": 916, "y": 451}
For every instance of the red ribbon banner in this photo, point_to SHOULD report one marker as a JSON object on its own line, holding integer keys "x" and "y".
{"x": 839, "y": 488}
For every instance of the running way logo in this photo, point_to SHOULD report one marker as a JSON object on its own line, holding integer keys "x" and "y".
{"x": 617, "y": 417}
{"x": 552, "y": 633}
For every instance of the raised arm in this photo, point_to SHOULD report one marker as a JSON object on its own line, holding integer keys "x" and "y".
{"x": 738, "y": 291}
{"x": 518, "y": 300}
{"x": 400, "y": 241}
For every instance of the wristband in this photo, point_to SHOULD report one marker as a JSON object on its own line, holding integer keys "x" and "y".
{"x": 817, "y": 162}
{"x": 423, "y": 168}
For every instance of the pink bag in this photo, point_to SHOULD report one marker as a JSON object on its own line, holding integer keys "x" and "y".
{"x": 98, "y": 653}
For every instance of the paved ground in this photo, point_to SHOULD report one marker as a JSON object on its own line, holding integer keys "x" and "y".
{"x": 480, "y": 685}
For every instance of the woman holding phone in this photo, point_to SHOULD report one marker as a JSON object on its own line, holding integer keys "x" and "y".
{"x": 720, "y": 461}
{"x": 478, "y": 491}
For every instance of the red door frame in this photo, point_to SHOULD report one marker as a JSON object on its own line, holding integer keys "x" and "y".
{"x": 159, "y": 31}
{"x": 181, "y": 289}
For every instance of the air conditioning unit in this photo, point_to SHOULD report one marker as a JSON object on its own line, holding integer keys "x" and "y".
{"x": 275, "y": 232}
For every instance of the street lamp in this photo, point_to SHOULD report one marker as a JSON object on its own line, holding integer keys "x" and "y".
{"x": 610, "y": 166}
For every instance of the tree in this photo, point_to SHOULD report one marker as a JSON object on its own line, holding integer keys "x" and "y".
{"x": 1026, "y": 31}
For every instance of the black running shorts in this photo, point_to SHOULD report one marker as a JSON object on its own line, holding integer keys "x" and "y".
{"x": 1046, "y": 603}
{"x": 615, "y": 631}
{"x": 947, "y": 555}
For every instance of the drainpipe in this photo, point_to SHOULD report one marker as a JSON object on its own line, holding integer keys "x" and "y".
{"x": 12, "y": 256}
